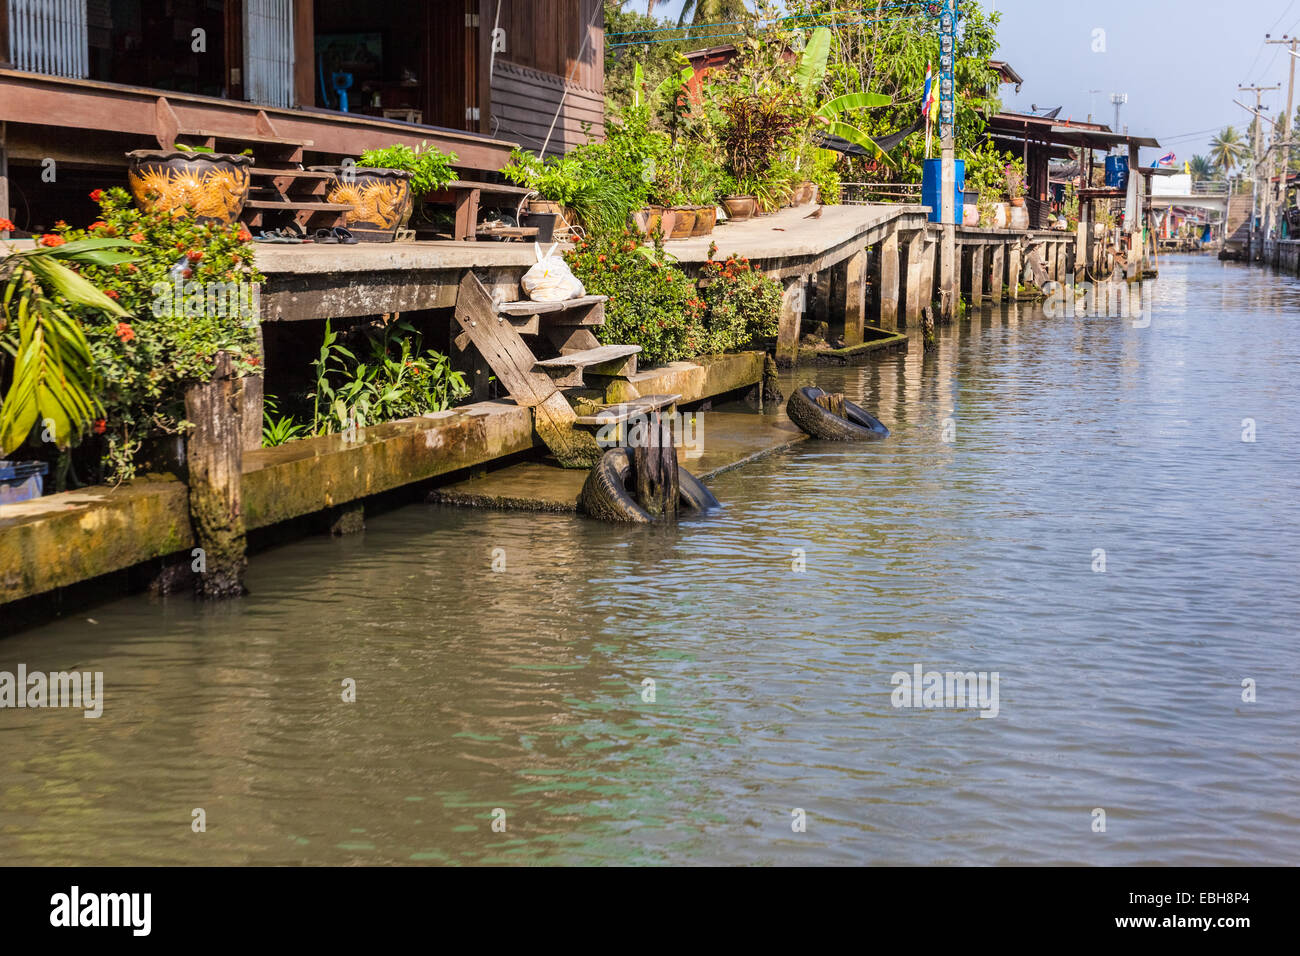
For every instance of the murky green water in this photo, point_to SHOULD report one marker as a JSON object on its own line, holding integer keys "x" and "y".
{"x": 523, "y": 690}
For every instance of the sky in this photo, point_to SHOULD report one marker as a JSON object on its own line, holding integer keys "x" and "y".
{"x": 1179, "y": 61}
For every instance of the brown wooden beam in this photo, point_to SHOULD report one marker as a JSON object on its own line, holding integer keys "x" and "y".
{"x": 304, "y": 53}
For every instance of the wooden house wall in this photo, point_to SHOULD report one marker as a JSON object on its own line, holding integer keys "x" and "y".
{"x": 554, "y": 63}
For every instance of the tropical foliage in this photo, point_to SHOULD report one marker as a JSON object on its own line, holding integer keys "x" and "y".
{"x": 654, "y": 304}
{"x": 1228, "y": 150}
{"x": 172, "y": 293}
{"x": 430, "y": 168}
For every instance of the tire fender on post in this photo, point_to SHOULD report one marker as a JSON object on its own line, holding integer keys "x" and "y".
{"x": 857, "y": 425}
{"x": 605, "y": 493}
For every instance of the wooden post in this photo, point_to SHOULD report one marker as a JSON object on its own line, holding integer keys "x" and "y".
{"x": 1014, "y": 270}
{"x": 917, "y": 295}
{"x": 787, "y": 334}
{"x": 997, "y": 272}
{"x": 977, "y": 274}
{"x": 215, "y": 456}
{"x": 855, "y": 297}
{"x": 4, "y": 169}
{"x": 887, "y": 283}
{"x": 654, "y": 472}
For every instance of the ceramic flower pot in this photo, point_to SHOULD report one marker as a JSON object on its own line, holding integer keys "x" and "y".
{"x": 740, "y": 208}
{"x": 684, "y": 222}
{"x": 970, "y": 214}
{"x": 706, "y": 217}
{"x": 213, "y": 186}
{"x": 648, "y": 219}
{"x": 1018, "y": 217}
{"x": 381, "y": 200}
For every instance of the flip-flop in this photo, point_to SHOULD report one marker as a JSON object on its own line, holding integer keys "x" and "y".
{"x": 295, "y": 233}
{"x": 344, "y": 236}
{"x": 268, "y": 235}
{"x": 324, "y": 235}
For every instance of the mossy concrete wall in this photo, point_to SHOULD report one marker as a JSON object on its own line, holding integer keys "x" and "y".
{"x": 62, "y": 539}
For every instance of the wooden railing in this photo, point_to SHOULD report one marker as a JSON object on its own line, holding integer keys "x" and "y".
{"x": 867, "y": 193}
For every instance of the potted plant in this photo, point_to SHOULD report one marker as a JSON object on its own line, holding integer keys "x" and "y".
{"x": 214, "y": 186}
{"x": 1015, "y": 176}
{"x": 385, "y": 185}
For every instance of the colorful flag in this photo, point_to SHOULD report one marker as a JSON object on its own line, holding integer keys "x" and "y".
{"x": 928, "y": 97}
{"x": 1166, "y": 160}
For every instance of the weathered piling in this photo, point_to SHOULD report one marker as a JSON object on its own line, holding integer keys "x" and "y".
{"x": 656, "y": 483}
{"x": 214, "y": 453}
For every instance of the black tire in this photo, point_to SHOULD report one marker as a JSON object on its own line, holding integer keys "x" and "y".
{"x": 858, "y": 425}
{"x": 605, "y": 496}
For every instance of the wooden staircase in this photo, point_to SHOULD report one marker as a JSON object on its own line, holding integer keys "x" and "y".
{"x": 566, "y": 392}
{"x": 281, "y": 189}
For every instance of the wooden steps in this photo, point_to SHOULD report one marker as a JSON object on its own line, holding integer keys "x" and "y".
{"x": 618, "y": 414}
{"x": 581, "y": 311}
{"x": 606, "y": 360}
{"x": 258, "y": 138}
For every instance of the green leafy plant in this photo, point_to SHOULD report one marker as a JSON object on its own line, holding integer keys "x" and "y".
{"x": 182, "y": 291}
{"x": 397, "y": 379}
{"x": 431, "y": 169}
{"x": 279, "y": 429}
{"x": 53, "y": 378}
{"x": 652, "y": 303}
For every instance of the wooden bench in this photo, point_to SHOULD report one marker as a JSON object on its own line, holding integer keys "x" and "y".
{"x": 466, "y": 197}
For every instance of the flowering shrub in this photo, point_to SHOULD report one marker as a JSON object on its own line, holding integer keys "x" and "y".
{"x": 655, "y": 305}
{"x": 744, "y": 305}
{"x": 652, "y": 303}
{"x": 178, "y": 325}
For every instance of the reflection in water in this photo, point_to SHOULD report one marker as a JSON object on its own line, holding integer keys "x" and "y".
{"x": 523, "y": 690}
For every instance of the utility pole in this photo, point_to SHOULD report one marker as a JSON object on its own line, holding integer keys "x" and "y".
{"x": 949, "y": 269}
{"x": 1252, "y": 247}
{"x": 1283, "y": 128}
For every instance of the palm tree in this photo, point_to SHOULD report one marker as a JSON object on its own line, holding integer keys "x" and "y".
{"x": 1201, "y": 168}
{"x": 712, "y": 11}
{"x": 1227, "y": 150}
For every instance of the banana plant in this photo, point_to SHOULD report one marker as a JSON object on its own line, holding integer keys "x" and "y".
{"x": 832, "y": 115}
{"x": 54, "y": 378}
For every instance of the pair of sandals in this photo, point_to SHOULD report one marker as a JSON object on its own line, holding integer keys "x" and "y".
{"x": 294, "y": 234}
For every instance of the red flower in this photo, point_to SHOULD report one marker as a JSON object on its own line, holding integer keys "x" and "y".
{"x": 111, "y": 293}
{"x": 100, "y": 426}
{"x": 124, "y": 332}
{"x": 96, "y": 195}
{"x": 194, "y": 255}
{"x": 600, "y": 258}
{"x": 186, "y": 273}
{"x": 137, "y": 237}
{"x": 257, "y": 361}
{"x": 100, "y": 224}
{"x": 51, "y": 240}
{"x": 6, "y": 225}
{"x": 244, "y": 234}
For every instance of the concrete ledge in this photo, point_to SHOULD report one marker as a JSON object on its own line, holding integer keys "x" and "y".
{"x": 63, "y": 539}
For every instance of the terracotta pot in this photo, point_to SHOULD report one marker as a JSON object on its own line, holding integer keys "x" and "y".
{"x": 684, "y": 223}
{"x": 706, "y": 217}
{"x": 740, "y": 208}
{"x": 970, "y": 215}
{"x": 805, "y": 193}
{"x": 1018, "y": 201}
{"x": 648, "y": 219}
{"x": 213, "y": 185}
{"x": 381, "y": 200}
{"x": 1019, "y": 217}
{"x": 1001, "y": 215}
{"x": 667, "y": 221}
{"x": 544, "y": 206}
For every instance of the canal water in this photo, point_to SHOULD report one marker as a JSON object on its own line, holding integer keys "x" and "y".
{"x": 1028, "y": 454}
